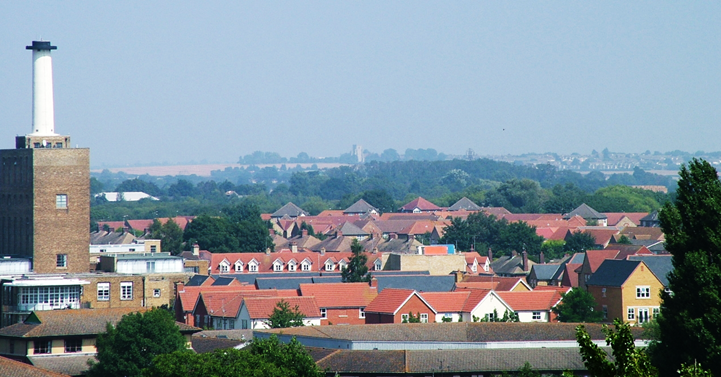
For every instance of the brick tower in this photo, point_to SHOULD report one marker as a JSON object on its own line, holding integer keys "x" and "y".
{"x": 45, "y": 187}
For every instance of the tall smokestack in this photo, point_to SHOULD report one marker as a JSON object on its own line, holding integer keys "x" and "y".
{"x": 43, "y": 106}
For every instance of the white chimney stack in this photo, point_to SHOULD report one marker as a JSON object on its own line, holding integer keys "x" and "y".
{"x": 43, "y": 107}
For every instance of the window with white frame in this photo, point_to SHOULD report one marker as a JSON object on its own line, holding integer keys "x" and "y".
{"x": 603, "y": 292}
{"x": 490, "y": 317}
{"x": 656, "y": 312}
{"x": 103, "y": 291}
{"x": 631, "y": 314}
{"x": 156, "y": 292}
{"x": 474, "y": 267}
{"x": 323, "y": 313}
{"x": 378, "y": 265}
{"x": 126, "y": 290}
{"x": 278, "y": 266}
{"x": 292, "y": 266}
{"x": 253, "y": 267}
{"x": 61, "y": 201}
{"x": 404, "y": 317}
{"x": 42, "y": 346}
{"x": 238, "y": 266}
{"x": 361, "y": 313}
{"x": 424, "y": 317}
{"x": 536, "y": 316}
{"x": 342, "y": 265}
{"x": 73, "y": 345}
{"x": 329, "y": 266}
{"x": 223, "y": 268}
{"x": 305, "y": 266}
{"x": 605, "y": 311}
{"x": 643, "y": 292}
{"x": 642, "y": 315}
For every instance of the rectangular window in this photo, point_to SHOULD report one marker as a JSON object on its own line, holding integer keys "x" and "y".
{"x": 150, "y": 266}
{"x": 404, "y": 317}
{"x": 244, "y": 323}
{"x": 42, "y": 346}
{"x": 223, "y": 268}
{"x": 631, "y": 314}
{"x": 491, "y": 317}
{"x": 323, "y": 313}
{"x": 656, "y": 312}
{"x": 103, "y": 291}
{"x": 277, "y": 267}
{"x": 603, "y": 292}
{"x": 61, "y": 201}
{"x": 253, "y": 267}
{"x": 153, "y": 248}
{"x": 536, "y": 316}
{"x": 605, "y": 312}
{"x": 61, "y": 260}
{"x": 424, "y": 317}
{"x": 643, "y": 292}
{"x": 126, "y": 290}
{"x": 156, "y": 292}
{"x": 361, "y": 313}
{"x": 642, "y": 315}
{"x": 291, "y": 267}
{"x": 73, "y": 345}
{"x": 306, "y": 267}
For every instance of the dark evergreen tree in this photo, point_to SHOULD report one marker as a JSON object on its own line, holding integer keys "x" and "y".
{"x": 357, "y": 271}
{"x": 690, "y": 321}
{"x": 577, "y": 306}
{"x": 169, "y": 234}
{"x": 579, "y": 242}
{"x": 629, "y": 360}
{"x": 284, "y": 316}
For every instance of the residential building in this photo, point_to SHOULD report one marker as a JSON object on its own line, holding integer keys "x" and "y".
{"x": 396, "y": 305}
{"x": 534, "y": 306}
{"x": 255, "y": 311}
{"x": 341, "y": 303}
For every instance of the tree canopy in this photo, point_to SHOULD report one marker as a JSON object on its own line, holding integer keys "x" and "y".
{"x": 238, "y": 229}
{"x": 131, "y": 345}
{"x": 356, "y": 271}
{"x": 577, "y": 306}
{"x": 169, "y": 234}
{"x": 284, "y": 316}
{"x": 691, "y": 314}
{"x": 629, "y": 360}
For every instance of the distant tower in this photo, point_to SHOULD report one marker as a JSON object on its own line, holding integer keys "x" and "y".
{"x": 358, "y": 153}
{"x": 45, "y": 187}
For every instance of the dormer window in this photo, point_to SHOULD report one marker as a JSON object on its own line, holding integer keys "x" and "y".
{"x": 305, "y": 265}
{"x": 329, "y": 266}
{"x": 474, "y": 267}
{"x": 377, "y": 265}
{"x": 277, "y": 266}
{"x": 253, "y": 266}
{"x": 238, "y": 266}
{"x": 292, "y": 266}
{"x": 224, "y": 267}
{"x": 342, "y": 265}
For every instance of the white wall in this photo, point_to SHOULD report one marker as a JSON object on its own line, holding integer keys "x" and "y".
{"x": 527, "y": 316}
{"x": 486, "y": 306}
{"x": 140, "y": 266}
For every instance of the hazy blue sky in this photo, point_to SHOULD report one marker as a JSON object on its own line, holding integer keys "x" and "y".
{"x": 173, "y": 81}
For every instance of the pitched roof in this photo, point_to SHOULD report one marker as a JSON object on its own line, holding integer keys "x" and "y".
{"x": 534, "y": 300}
{"x": 447, "y": 302}
{"x": 596, "y": 257}
{"x": 499, "y": 283}
{"x": 421, "y": 283}
{"x": 644, "y": 233}
{"x": 586, "y": 212}
{"x": 615, "y": 217}
{"x": 421, "y": 204}
{"x": 290, "y": 210}
{"x": 340, "y": 295}
{"x": 56, "y": 323}
{"x": 464, "y": 204}
{"x": 390, "y": 300}
{"x": 73, "y": 365}
{"x": 349, "y": 229}
{"x": 660, "y": 265}
{"x": 262, "y": 307}
{"x": 570, "y": 276}
{"x": 12, "y": 368}
{"x": 546, "y": 271}
{"x": 189, "y": 295}
{"x": 361, "y": 206}
{"x": 613, "y": 272}
{"x": 102, "y": 237}
{"x": 227, "y": 304}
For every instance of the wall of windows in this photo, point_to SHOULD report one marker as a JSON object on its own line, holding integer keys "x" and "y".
{"x": 48, "y": 298}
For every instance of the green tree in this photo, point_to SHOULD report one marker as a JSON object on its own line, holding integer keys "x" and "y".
{"x": 284, "y": 316}
{"x": 528, "y": 371}
{"x": 412, "y": 318}
{"x": 380, "y": 199}
{"x": 553, "y": 249}
{"x": 579, "y": 242}
{"x": 291, "y": 356}
{"x": 690, "y": 316}
{"x": 227, "y": 362}
{"x": 169, "y": 234}
{"x": 131, "y": 345}
{"x": 356, "y": 271}
{"x": 577, "y": 306}
{"x": 629, "y": 361}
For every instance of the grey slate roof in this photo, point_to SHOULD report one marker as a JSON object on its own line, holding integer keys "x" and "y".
{"x": 290, "y": 210}
{"x": 349, "y": 229}
{"x": 546, "y": 271}
{"x": 203, "y": 345}
{"x": 510, "y": 265}
{"x": 613, "y": 272}
{"x": 102, "y": 237}
{"x": 223, "y": 281}
{"x": 585, "y": 212}
{"x": 197, "y": 280}
{"x": 577, "y": 258}
{"x": 464, "y": 204}
{"x": 494, "y": 360}
{"x": 421, "y": 283}
{"x": 73, "y": 365}
{"x": 361, "y": 206}
{"x": 660, "y": 265}
{"x": 250, "y": 278}
{"x": 281, "y": 282}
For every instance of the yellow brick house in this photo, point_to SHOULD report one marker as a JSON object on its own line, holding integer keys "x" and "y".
{"x": 626, "y": 289}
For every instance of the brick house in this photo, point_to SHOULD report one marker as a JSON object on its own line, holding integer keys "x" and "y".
{"x": 393, "y": 306}
{"x": 341, "y": 303}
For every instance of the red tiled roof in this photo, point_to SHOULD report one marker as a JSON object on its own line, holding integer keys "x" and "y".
{"x": 262, "y": 307}
{"x": 390, "y": 300}
{"x": 534, "y": 300}
{"x": 113, "y": 225}
{"x": 446, "y": 302}
{"x": 340, "y": 295}
{"x": 227, "y": 304}
{"x": 570, "y": 276}
{"x": 596, "y": 257}
{"x": 614, "y": 217}
{"x": 189, "y": 295}
{"x": 476, "y": 296}
{"x": 12, "y": 368}
{"x": 140, "y": 224}
{"x": 499, "y": 283}
{"x": 422, "y": 204}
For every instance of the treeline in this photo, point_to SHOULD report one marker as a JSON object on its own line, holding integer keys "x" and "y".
{"x": 387, "y": 185}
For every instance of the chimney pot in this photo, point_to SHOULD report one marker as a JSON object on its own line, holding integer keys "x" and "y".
{"x": 525, "y": 260}
{"x": 374, "y": 283}
{"x": 304, "y": 232}
{"x": 542, "y": 258}
{"x": 322, "y": 251}
{"x": 196, "y": 249}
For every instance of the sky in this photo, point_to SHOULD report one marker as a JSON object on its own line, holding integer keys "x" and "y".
{"x": 145, "y": 82}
